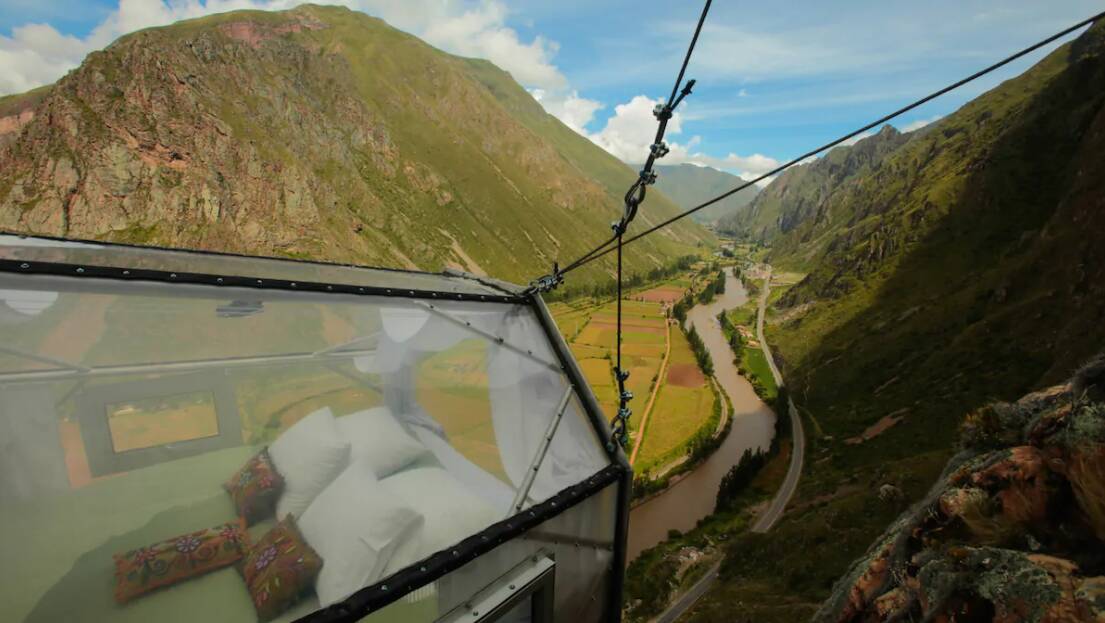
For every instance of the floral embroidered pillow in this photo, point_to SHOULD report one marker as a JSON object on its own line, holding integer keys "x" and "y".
{"x": 142, "y": 570}
{"x": 255, "y": 488}
{"x": 279, "y": 569}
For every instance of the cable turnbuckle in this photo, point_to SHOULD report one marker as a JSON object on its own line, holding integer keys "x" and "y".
{"x": 547, "y": 283}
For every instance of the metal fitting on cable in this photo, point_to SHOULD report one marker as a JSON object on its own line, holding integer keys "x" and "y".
{"x": 648, "y": 177}
{"x": 548, "y": 282}
{"x": 662, "y": 112}
{"x": 659, "y": 150}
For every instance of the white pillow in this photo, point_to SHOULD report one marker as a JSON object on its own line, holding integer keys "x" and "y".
{"x": 354, "y": 525}
{"x": 377, "y": 437}
{"x": 451, "y": 512}
{"x": 309, "y": 455}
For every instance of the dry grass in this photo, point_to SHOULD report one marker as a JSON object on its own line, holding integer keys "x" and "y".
{"x": 1086, "y": 472}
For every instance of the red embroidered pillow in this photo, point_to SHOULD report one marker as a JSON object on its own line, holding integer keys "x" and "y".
{"x": 142, "y": 570}
{"x": 279, "y": 569}
{"x": 255, "y": 488}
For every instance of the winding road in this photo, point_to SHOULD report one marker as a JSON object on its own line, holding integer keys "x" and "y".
{"x": 798, "y": 451}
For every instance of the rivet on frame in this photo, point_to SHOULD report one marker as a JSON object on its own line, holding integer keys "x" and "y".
{"x": 172, "y": 275}
{"x": 259, "y": 282}
{"x": 293, "y": 284}
{"x": 24, "y": 266}
{"x": 219, "y": 280}
{"x": 80, "y": 270}
{"x": 329, "y": 287}
{"x": 126, "y": 273}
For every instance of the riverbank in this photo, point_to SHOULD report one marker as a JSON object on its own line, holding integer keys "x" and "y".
{"x": 751, "y": 425}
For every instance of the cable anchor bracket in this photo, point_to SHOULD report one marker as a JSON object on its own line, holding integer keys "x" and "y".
{"x": 546, "y": 283}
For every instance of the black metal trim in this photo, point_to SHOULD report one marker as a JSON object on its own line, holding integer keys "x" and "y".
{"x": 614, "y": 451}
{"x": 210, "y": 253}
{"x": 144, "y": 274}
{"x": 419, "y": 574}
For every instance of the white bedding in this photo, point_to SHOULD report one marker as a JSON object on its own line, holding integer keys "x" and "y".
{"x": 450, "y": 512}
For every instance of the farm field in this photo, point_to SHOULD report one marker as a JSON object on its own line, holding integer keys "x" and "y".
{"x": 685, "y": 400}
{"x": 684, "y": 405}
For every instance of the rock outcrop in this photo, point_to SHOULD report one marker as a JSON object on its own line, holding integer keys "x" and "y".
{"x": 1013, "y": 531}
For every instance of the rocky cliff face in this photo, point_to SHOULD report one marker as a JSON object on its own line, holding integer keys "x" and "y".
{"x": 317, "y": 132}
{"x": 1013, "y": 531}
{"x": 801, "y": 193}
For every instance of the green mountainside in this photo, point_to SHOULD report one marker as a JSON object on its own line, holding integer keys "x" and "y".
{"x": 689, "y": 185}
{"x": 800, "y": 193}
{"x": 968, "y": 266}
{"x": 314, "y": 133}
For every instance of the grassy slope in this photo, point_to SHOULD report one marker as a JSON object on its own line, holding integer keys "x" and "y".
{"x": 968, "y": 268}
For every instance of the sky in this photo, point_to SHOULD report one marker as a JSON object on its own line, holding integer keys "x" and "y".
{"x": 774, "y": 79}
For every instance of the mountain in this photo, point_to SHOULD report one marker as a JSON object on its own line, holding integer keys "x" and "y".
{"x": 314, "y": 133}
{"x": 799, "y": 193}
{"x": 967, "y": 267}
{"x": 689, "y": 185}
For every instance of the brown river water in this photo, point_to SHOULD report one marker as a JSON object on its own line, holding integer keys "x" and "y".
{"x": 683, "y": 504}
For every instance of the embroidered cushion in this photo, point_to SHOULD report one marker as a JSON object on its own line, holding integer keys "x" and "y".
{"x": 142, "y": 570}
{"x": 255, "y": 488}
{"x": 279, "y": 569}
{"x": 309, "y": 455}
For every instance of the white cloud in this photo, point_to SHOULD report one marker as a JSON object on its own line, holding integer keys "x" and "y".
{"x": 575, "y": 111}
{"x": 918, "y": 124}
{"x": 631, "y": 130}
{"x": 37, "y": 54}
{"x": 629, "y": 133}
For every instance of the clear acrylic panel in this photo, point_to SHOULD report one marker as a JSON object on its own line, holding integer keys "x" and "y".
{"x": 580, "y": 540}
{"x": 130, "y": 410}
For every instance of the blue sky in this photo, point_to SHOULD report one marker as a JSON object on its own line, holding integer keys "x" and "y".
{"x": 774, "y": 78}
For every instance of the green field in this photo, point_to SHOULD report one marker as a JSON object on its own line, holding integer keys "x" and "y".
{"x": 590, "y": 329}
{"x": 684, "y": 405}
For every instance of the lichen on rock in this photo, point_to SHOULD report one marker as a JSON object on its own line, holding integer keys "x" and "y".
{"x": 1013, "y": 531}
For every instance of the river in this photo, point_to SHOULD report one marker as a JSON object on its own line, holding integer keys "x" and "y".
{"x": 683, "y": 504}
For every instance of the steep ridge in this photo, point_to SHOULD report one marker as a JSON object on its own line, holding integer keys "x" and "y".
{"x": 317, "y": 132}
{"x": 689, "y": 185}
{"x": 800, "y": 193}
{"x": 968, "y": 267}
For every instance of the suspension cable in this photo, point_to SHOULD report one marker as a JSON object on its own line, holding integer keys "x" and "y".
{"x": 604, "y": 248}
{"x": 633, "y": 199}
